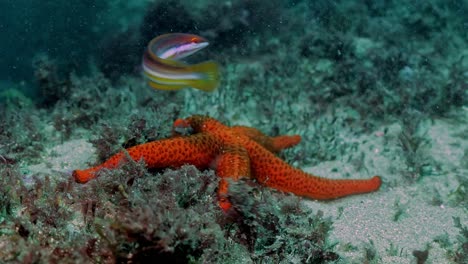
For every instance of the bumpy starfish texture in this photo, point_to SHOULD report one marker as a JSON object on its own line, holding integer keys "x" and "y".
{"x": 235, "y": 152}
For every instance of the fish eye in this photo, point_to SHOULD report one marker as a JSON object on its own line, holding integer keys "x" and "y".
{"x": 194, "y": 40}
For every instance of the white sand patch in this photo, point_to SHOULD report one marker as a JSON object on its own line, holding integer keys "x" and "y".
{"x": 370, "y": 217}
{"x": 65, "y": 157}
{"x": 447, "y": 146}
{"x": 400, "y": 217}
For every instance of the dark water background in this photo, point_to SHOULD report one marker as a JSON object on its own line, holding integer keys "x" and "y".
{"x": 76, "y": 33}
{"x": 61, "y": 29}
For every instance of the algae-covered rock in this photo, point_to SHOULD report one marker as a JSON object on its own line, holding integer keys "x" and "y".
{"x": 14, "y": 98}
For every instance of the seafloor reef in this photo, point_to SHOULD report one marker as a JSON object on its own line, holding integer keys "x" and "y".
{"x": 378, "y": 87}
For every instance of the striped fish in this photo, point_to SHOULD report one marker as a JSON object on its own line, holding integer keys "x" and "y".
{"x": 165, "y": 71}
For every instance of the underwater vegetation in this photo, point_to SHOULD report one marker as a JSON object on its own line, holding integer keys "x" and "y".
{"x": 414, "y": 143}
{"x": 131, "y": 215}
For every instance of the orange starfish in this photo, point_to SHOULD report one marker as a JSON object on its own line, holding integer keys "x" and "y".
{"x": 235, "y": 152}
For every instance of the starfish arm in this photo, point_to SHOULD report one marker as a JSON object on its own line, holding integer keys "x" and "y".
{"x": 198, "y": 150}
{"x": 285, "y": 141}
{"x": 194, "y": 124}
{"x": 233, "y": 163}
{"x": 271, "y": 171}
{"x": 318, "y": 188}
{"x": 273, "y": 144}
{"x": 275, "y": 173}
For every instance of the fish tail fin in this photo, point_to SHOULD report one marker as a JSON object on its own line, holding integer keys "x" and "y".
{"x": 165, "y": 87}
{"x": 209, "y": 72}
